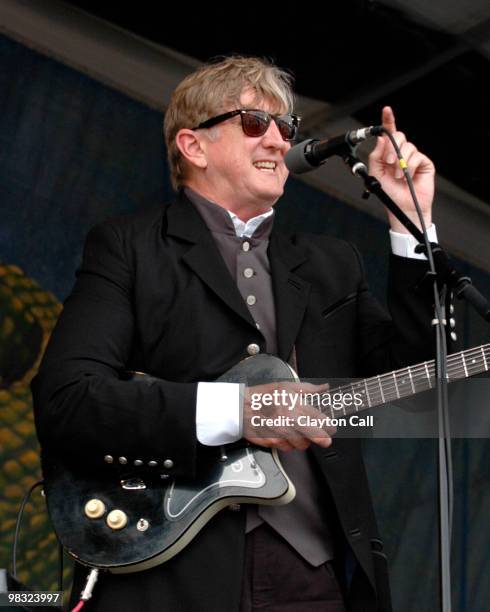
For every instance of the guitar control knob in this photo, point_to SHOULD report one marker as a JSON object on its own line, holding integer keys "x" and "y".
{"x": 94, "y": 508}
{"x": 117, "y": 519}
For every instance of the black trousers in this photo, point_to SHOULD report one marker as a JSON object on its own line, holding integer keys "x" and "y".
{"x": 278, "y": 579}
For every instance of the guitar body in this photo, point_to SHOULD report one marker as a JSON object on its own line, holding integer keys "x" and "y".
{"x": 162, "y": 516}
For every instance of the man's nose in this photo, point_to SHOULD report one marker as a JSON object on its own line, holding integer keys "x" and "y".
{"x": 273, "y": 138}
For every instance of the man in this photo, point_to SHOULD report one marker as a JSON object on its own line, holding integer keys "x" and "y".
{"x": 185, "y": 292}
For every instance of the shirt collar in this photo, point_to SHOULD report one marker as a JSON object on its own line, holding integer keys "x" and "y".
{"x": 221, "y": 220}
{"x": 246, "y": 229}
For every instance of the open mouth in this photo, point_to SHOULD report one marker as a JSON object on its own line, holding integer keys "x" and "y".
{"x": 266, "y": 166}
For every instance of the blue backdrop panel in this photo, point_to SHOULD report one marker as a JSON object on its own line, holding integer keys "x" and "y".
{"x": 71, "y": 153}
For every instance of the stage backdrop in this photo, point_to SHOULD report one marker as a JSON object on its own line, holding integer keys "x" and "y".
{"x": 74, "y": 152}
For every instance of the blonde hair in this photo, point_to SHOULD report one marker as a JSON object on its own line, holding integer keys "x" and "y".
{"x": 216, "y": 88}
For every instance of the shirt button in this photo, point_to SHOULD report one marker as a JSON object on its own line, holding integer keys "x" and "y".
{"x": 248, "y": 273}
{"x": 245, "y": 246}
{"x": 251, "y": 299}
{"x": 253, "y": 349}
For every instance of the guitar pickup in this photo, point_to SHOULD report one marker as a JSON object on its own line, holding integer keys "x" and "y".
{"x": 133, "y": 484}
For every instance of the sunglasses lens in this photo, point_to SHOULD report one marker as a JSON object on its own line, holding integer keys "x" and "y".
{"x": 287, "y": 127}
{"x": 255, "y": 123}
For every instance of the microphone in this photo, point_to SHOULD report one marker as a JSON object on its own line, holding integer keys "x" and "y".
{"x": 311, "y": 153}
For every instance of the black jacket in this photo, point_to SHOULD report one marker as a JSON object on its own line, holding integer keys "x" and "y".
{"x": 153, "y": 294}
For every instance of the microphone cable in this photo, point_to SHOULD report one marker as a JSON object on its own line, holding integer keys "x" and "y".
{"x": 18, "y": 522}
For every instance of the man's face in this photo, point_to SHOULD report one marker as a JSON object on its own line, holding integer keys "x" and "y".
{"x": 243, "y": 173}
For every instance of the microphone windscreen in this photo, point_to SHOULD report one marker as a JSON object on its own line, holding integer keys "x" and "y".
{"x": 295, "y": 158}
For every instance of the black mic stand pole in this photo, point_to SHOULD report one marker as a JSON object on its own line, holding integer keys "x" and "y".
{"x": 447, "y": 276}
{"x": 372, "y": 185}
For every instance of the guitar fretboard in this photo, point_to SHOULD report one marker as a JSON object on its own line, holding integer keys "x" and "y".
{"x": 402, "y": 383}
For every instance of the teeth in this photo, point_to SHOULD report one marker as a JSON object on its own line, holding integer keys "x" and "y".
{"x": 268, "y": 165}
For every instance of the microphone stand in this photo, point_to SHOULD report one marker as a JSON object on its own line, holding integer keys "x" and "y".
{"x": 443, "y": 275}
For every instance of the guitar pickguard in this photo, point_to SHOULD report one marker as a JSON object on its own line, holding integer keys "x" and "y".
{"x": 239, "y": 470}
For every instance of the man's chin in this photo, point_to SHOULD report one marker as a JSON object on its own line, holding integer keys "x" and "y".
{"x": 270, "y": 196}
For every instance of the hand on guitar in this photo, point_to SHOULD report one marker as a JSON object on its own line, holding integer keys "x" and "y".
{"x": 278, "y": 415}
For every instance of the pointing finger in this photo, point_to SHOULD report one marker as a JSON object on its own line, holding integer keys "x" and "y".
{"x": 388, "y": 119}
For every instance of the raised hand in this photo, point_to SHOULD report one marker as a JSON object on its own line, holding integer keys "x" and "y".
{"x": 383, "y": 164}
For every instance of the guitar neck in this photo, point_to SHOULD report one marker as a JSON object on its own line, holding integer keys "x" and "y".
{"x": 392, "y": 386}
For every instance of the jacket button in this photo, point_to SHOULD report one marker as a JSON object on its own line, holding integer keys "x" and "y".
{"x": 168, "y": 464}
{"x": 253, "y": 349}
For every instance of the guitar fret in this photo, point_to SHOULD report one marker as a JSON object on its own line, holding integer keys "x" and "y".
{"x": 357, "y": 389}
{"x": 381, "y": 389}
{"x": 484, "y": 358}
{"x": 352, "y": 389}
{"x": 403, "y": 383}
{"x": 396, "y": 386}
{"x": 464, "y": 365}
{"x": 374, "y": 391}
{"x": 473, "y": 365}
{"x": 343, "y": 409}
{"x": 411, "y": 379}
{"x": 367, "y": 394}
{"x": 427, "y": 373}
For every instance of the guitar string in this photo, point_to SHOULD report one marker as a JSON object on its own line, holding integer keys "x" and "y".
{"x": 418, "y": 373}
{"x": 412, "y": 378}
{"x": 386, "y": 387}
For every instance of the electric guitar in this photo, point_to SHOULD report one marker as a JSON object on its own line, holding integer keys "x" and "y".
{"x": 131, "y": 523}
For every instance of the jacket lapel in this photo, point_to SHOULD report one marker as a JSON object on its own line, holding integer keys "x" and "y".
{"x": 203, "y": 257}
{"x": 290, "y": 291}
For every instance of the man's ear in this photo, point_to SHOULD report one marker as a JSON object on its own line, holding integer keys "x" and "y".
{"x": 189, "y": 145}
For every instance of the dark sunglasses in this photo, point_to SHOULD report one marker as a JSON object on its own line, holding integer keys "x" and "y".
{"x": 256, "y": 122}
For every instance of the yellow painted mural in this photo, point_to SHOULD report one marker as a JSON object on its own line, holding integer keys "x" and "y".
{"x": 27, "y": 316}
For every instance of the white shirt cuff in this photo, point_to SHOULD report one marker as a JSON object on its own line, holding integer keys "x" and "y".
{"x": 404, "y": 244}
{"x": 219, "y": 409}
